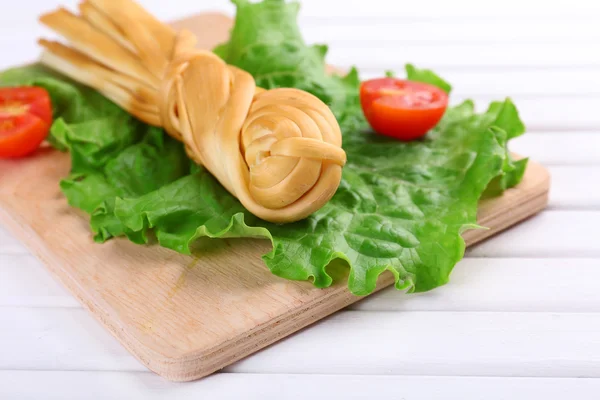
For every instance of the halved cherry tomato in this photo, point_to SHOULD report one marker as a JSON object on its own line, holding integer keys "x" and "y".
{"x": 402, "y": 109}
{"x": 25, "y": 119}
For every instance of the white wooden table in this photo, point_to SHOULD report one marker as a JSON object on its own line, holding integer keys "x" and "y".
{"x": 520, "y": 318}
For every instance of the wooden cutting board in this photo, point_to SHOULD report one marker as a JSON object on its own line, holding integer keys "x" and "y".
{"x": 186, "y": 317}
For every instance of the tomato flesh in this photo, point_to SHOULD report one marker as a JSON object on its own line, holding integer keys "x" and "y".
{"x": 402, "y": 109}
{"x": 25, "y": 119}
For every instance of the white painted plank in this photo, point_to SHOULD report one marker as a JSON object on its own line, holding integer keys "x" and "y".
{"x": 460, "y": 9}
{"x": 76, "y": 385}
{"x": 26, "y": 283}
{"x": 433, "y": 343}
{"x": 513, "y": 82}
{"x": 549, "y": 113}
{"x": 504, "y": 285}
{"x": 59, "y": 338}
{"x": 393, "y": 31}
{"x": 541, "y": 55}
{"x": 8, "y": 244}
{"x": 574, "y": 187}
{"x": 476, "y": 284}
{"x": 427, "y": 9}
{"x": 28, "y": 12}
{"x": 461, "y": 12}
{"x": 350, "y": 342}
{"x": 538, "y": 41}
{"x": 559, "y": 148}
{"x": 548, "y": 234}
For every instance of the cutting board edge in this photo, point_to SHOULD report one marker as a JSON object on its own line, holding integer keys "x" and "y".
{"x": 177, "y": 365}
{"x": 494, "y": 224}
{"x": 188, "y": 365}
{"x": 191, "y": 365}
{"x": 90, "y": 302}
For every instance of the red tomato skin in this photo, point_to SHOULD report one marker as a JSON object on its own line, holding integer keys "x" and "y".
{"x": 35, "y": 99}
{"x": 28, "y": 132}
{"x": 25, "y": 119}
{"x": 402, "y": 109}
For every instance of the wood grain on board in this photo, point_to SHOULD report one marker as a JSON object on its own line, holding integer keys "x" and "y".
{"x": 186, "y": 317}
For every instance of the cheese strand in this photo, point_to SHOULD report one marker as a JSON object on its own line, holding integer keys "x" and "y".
{"x": 278, "y": 151}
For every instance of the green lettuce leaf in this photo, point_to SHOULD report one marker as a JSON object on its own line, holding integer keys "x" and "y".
{"x": 266, "y": 41}
{"x": 112, "y": 154}
{"x": 426, "y": 76}
{"x": 507, "y": 117}
{"x": 400, "y": 207}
